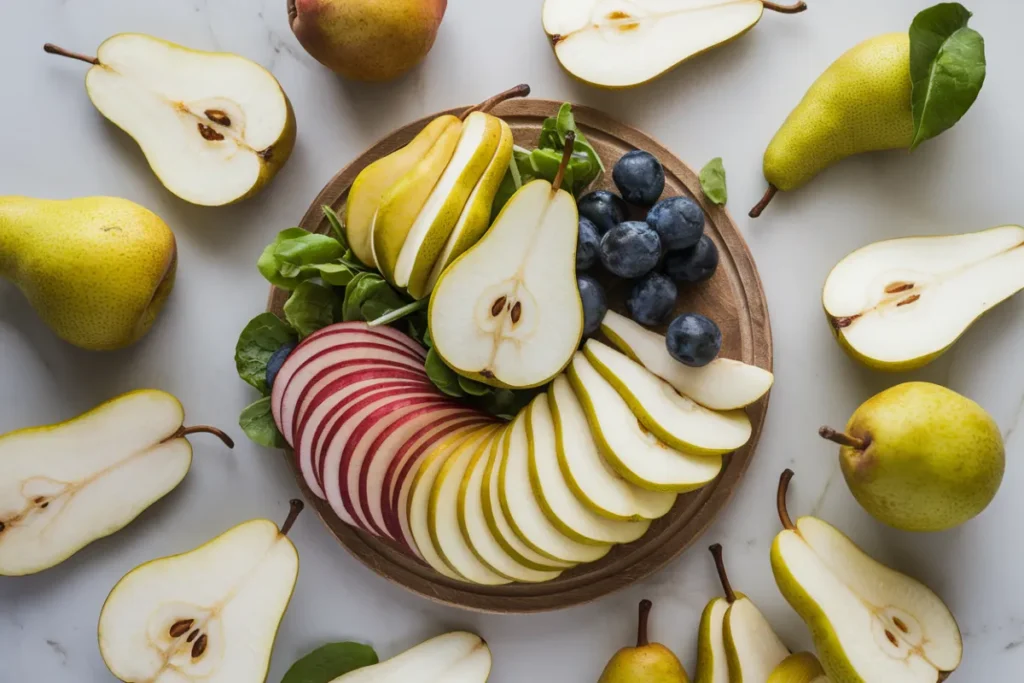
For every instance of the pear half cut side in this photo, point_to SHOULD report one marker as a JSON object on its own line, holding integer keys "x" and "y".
{"x": 457, "y": 657}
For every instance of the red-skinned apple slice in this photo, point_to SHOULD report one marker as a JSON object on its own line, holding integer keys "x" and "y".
{"x": 385, "y": 330}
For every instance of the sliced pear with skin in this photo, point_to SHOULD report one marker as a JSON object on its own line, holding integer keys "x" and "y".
{"x": 457, "y": 657}
{"x": 507, "y": 312}
{"x": 210, "y": 614}
{"x": 436, "y": 221}
{"x": 66, "y": 485}
{"x": 900, "y": 304}
{"x": 524, "y": 511}
{"x": 215, "y": 127}
{"x": 596, "y": 483}
{"x": 556, "y": 498}
{"x": 869, "y": 622}
{"x": 635, "y": 453}
{"x": 712, "y": 660}
{"x": 722, "y": 384}
{"x": 675, "y": 419}
{"x": 375, "y": 180}
{"x": 803, "y": 667}
{"x": 623, "y": 43}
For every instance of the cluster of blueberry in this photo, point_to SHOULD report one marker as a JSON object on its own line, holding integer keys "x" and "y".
{"x": 662, "y": 252}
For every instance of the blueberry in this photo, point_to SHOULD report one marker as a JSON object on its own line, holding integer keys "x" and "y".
{"x": 696, "y": 264}
{"x": 595, "y": 305}
{"x": 588, "y": 245}
{"x": 679, "y": 222}
{"x": 693, "y": 340}
{"x": 276, "y": 361}
{"x": 604, "y": 209}
{"x": 640, "y": 177}
{"x": 631, "y": 249}
{"x": 652, "y": 299}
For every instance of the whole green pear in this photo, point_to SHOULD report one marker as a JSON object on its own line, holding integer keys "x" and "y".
{"x": 367, "y": 40}
{"x": 647, "y": 662}
{"x": 921, "y": 457}
{"x": 97, "y": 269}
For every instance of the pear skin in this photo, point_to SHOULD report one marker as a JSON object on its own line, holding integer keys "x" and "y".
{"x": 647, "y": 662}
{"x": 803, "y": 667}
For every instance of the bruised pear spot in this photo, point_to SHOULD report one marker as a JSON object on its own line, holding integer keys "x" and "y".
{"x": 218, "y": 117}
{"x": 209, "y": 133}
{"x": 487, "y": 373}
{"x": 266, "y": 154}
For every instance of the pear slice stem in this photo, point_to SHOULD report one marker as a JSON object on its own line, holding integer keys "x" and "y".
{"x": 716, "y": 552}
{"x": 55, "y": 50}
{"x": 780, "y": 500}
{"x": 843, "y": 439}
{"x": 641, "y": 628}
{"x": 521, "y": 90}
{"x": 201, "y": 429}
{"x": 785, "y": 9}
{"x": 293, "y": 514}
{"x": 570, "y": 141}
{"x": 765, "y": 200}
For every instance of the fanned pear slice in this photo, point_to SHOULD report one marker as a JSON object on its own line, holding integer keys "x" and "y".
{"x": 375, "y": 180}
{"x": 722, "y": 384}
{"x": 803, "y": 667}
{"x": 622, "y": 43}
{"x": 64, "y": 486}
{"x": 209, "y": 615}
{"x": 507, "y": 312}
{"x": 556, "y": 498}
{"x": 588, "y": 474}
{"x": 215, "y": 127}
{"x": 478, "y": 141}
{"x": 673, "y": 418}
{"x": 457, "y": 657}
{"x": 869, "y": 622}
{"x": 634, "y": 452}
{"x": 712, "y": 661}
{"x": 899, "y": 304}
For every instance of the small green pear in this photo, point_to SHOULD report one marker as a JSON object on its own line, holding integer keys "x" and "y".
{"x": 921, "y": 457}
{"x": 803, "y": 667}
{"x": 647, "y": 662}
{"x": 97, "y": 269}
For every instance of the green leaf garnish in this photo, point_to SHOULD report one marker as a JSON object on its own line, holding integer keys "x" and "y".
{"x": 326, "y": 663}
{"x": 712, "y": 181}
{"x": 257, "y": 422}
{"x": 264, "y": 335}
{"x": 443, "y": 377}
{"x": 311, "y": 307}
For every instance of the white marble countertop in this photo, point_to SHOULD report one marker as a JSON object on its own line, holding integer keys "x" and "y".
{"x": 727, "y": 103}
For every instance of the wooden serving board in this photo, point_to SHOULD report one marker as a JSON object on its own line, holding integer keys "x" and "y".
{"x": 734, "y": 298}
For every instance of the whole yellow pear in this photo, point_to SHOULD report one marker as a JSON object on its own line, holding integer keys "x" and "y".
{"x": 367, "y": 40}
{"x": 97, "y": 269}
{"x": 647, "y": 662}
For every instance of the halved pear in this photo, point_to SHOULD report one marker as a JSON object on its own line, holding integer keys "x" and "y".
{"x": 722, "y": 384}
{"x": 634, "y": 452}
{"x": 673, "y": 418}
{"x": 215, "y": 127}
{"x": 869, "y": 622}
{"x": 66, "y": 485}
{"x": 588, "y": 474}
{"x": 712, "y": 660}
{"x": 429, "y": 233}
{"x": 507, "y": 312}
{"x": 803, "y": 667}
{"x": 210, "y": 614}
{"x": 375, "y": 180}
{"x": 622, "y": 43}
{"x": 556, "y": 498}
{"x": 899, "y": 304}
{"x": 457, "y": 657}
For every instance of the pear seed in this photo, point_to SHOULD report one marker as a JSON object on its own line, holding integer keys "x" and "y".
{"x": 900, "y": 625}
{"x": 2, "y": 526}
{"x": 897, "y": 287}
{"x": 846, "y": 321}
{"x": 909, "y": 300}
{"x": 218, "y": 116}
{"x": 498, "y": 304}
{"x": 199, "y": 647}
{"x": 209, "y": 133}
{"x": 517, "y": 312}
{"x": 179, "y": 628}
{"x": 888, "y": 634}
{"x": 192, "y": 636}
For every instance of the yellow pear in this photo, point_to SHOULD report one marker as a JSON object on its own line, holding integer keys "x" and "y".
{"x": 647, "y": 662}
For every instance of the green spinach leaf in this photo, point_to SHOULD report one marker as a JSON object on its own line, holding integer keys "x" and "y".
{"x": 336, "y": 227}
{"x": 368, "y": 297}
{"x": 326, "y": 663}
{"x": 712, "y": 181}
{"x": 297, "y": 255}
{"x": 257, "y": 422}
{"x": 264, "y": 335}
{"x": 311, "y": 307}
{"x": 472, "y": 387}
{"x": 443, "y": 377}
{"x": 947, "y": 68}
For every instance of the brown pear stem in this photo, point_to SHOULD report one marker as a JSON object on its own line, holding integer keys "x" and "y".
{"x": 54, "y": 50}
{"x": 716, "y": 552}
{"x": 641, "y": 628}
{"x": 201, "y": 429}
{"x": 785, "y": 9}
{"x": 293, "y": 513}
{"x": 843, "y": 439}
{"x": 570, "y": 141}
{"x": 780, "y": 500}
{"x": 765, "y": 200}
{"x": 521, "y": 90}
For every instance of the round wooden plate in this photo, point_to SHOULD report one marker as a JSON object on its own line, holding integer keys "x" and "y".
{"x": 733, "y": 298}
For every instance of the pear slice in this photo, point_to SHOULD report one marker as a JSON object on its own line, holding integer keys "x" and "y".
{"x": 457, "y": 657}
{"x": 673, "y": 418}
{"x": 507, "y": 312}
{"x": 622, "y": 43}
{"x": 586, "y": 471}
{"x": 209, "y": 614}
{"x": 525, "y": 513}
{"x": 722, "y": 384}
{"x": 869, "y": 622}
{"x": 375, "y": 180}
{"x": 67, "y": 485}
{"x": 712, "y": 660}
{"x": 215, "y": 127}
{"x": 634, "y": 452}
{"x": 899, "y": 304}
{"x": 556, "y": 498}
{"x": 802, "y": 667}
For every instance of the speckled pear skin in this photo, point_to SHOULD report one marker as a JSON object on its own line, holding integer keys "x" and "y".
{"x": 96, "y": 269}
{"x": 652, "y": 663}
{"x": 861, "y": 103}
